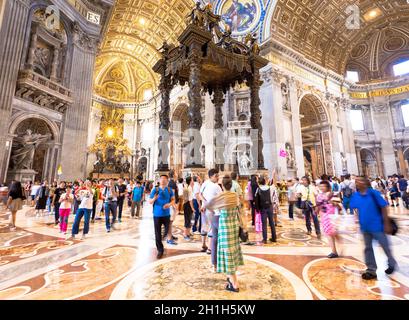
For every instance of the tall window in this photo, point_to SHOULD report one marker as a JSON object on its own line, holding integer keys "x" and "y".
{"x": 401, "y": 68}
{"x": 405, "y": 113}
{"x": 147, "y": 94}
{"x": 353, "y": 76}
{"x": 357, "y": 121}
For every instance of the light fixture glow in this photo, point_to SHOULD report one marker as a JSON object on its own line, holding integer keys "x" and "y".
{"x": 110, "y": 132}
{"x": 142, "y": 21}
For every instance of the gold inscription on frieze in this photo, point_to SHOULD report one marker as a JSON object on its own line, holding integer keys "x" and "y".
{"x": 380, "y": 92}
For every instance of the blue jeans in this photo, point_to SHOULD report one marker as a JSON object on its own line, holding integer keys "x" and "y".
{"x": 197, "y": 216}
{"x": 80, "y": 213}
{"x": 49, "y": 204}
{"x": 345, "y": 203}
{"x": 369, "y": 254}
{"x": 110, "y": 207}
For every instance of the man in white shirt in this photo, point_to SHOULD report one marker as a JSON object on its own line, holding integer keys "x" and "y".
{"x": 210, "y": 219}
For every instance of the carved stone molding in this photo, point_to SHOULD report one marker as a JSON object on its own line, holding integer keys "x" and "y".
{"x": 380, "y": 108}
{"x": 83, "y": 40}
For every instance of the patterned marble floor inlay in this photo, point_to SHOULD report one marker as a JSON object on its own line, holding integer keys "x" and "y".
{"x": 190, "y": 277}
{"x": 76, "y": 279}
{"x": 37, "y": 262}
{"x": 340, "y": 279}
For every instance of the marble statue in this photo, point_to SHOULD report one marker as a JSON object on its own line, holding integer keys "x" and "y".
{"x": 244, "y": 164}
{"x": 23, "y": 156}
{"x": 290, "y": 156}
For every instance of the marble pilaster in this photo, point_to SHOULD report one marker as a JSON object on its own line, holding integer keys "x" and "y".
{"x": 14, "y": 20}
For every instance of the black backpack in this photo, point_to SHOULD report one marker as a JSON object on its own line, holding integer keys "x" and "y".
{"x": 263, "y": 199}
{"x": 347, "y": 192}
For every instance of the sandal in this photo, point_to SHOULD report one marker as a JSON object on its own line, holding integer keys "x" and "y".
{"x": 231, "y": 288}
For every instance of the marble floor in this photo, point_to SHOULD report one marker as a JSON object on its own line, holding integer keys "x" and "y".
{"x": 37, "y": 262}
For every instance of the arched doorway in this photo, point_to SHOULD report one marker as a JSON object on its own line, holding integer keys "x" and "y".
{"x": 369, "y": 165}
{"x": 34, "y": 155}
{"x": 316, "y": 139}
{"x": 178, "y": 142}
{"x": 142, "y": 167}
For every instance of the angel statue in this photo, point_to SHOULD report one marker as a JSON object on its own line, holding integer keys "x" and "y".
{"x": 253, "y": 46}
{"x": 23, "y": 155}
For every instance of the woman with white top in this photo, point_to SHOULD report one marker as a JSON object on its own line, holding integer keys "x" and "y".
{"x": 84, "y": 209}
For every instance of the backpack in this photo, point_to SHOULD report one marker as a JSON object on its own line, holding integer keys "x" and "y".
{"x": 347, "y": 191}
{"x": 263, "y": 198}
{"x": 335, "y": 187}
{"x": 157, "y": 192}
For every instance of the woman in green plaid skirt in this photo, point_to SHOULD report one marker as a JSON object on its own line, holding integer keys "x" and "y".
{"x": 229, "y": 255}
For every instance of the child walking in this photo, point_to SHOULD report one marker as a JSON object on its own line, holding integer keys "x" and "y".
{"x": 326, "y": 209}
{"x": 66, "y": 201}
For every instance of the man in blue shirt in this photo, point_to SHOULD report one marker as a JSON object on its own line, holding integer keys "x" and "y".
{"x": 162, "y": 197}
{"x": 137, "y": 198}
{"x": 374, "y": 223}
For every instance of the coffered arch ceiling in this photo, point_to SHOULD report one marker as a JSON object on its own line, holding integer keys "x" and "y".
{"x": 136, "y": 30}
{"x": 318, "y": 30}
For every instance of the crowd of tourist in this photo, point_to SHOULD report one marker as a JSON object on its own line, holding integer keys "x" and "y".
{"x": 214, "y": 209}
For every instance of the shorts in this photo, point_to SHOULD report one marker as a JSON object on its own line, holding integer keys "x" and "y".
{"x": 188, "y": 213}
{"x": 33, "y": 197}
{"x": 173, "y": 213}
{"x": 16, "y": 204}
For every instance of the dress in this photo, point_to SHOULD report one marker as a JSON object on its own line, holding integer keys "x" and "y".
{"x": 327, "y": 210}
{"x": 229, "y": 255}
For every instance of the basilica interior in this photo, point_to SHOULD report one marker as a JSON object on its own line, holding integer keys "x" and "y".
{"x": 88, "y": 87}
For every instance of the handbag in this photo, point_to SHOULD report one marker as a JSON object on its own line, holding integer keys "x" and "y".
{"x": 243, "y": 234}
{"x": 392, "y": 221}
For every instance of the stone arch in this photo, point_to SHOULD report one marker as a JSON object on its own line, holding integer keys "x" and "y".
{"x": 368, "y": 161}
{"x": 316, "y": 135}
{"x": 179, "y": 125}
{"x": 266, "y": 25}
{"x": 41, "y": 160}
{"x": 16, "y": 121}
{"x": 316, "y": 104}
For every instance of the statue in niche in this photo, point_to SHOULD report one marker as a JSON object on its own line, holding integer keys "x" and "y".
{"x": 42, "y": 59}
{"x": 284, "y": 92}
{"x": 244, "y": 164}
{"x": 23, "y": 155}
{"x": 344, "y": 163}
{"x": 290, "y": 156}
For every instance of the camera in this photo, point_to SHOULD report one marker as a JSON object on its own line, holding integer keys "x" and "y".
{"x": 110, "y": 198}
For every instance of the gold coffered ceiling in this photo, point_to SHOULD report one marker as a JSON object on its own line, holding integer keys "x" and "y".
{"x": 317, "y": 28}
{"x": 136, "y": 30}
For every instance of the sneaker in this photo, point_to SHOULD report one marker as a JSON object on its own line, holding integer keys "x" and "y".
{"x": 187, "y": 238}
{"x": 209, "y": 251}
{"x": 172, "y": 242}
{"x": 390, "y": 270}
{"x": 83, "y": 237}
{"x": 159, "y": 255}
{"x": 272, "y": 240}
{"x": 264, "y": 241}
{"x": 120, "y": 220}
{"x": 332, "y": 255}
{"x": 369, "y": 276}
{"x": 108, "y": 230}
